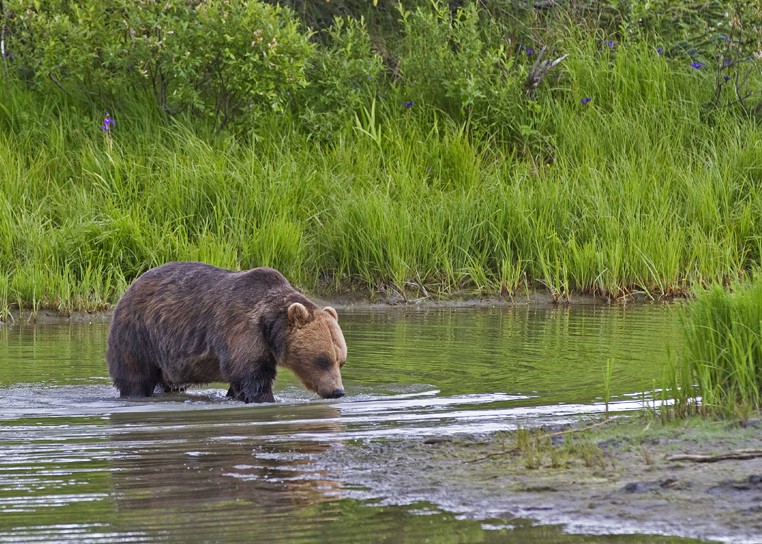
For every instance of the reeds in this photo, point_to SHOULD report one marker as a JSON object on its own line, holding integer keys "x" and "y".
{"x": 720, "y": 372}
{"x": 631, "y": 191}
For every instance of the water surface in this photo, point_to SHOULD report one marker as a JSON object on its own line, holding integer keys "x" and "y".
{"x": 80, "y": 464}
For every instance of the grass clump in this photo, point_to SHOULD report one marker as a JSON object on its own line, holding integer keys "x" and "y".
{"x": 721, "y": 371}
{"x": 537, "y": 448}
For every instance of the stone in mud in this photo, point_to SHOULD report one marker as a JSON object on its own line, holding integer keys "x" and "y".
{"x": 639, "y": 487}
{"x": 187, "y": 323}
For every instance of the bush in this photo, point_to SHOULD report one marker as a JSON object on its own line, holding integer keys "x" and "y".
{"x": 448, "y": 61}
{"x": 479, "y": 71}
{"x": 229, "y": 61}
{"x": 343, "y": 76}
{"x": 722, "y": 36}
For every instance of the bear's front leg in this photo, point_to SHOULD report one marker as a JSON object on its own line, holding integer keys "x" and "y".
{"x": 256, "y": 387}
{"x": 236, "y": 392}
{"x": 260, "y": 396}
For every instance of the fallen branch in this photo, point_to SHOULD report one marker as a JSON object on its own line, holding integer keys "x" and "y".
{"x": 700, "y": 458}
{"x": 540, "y": 70}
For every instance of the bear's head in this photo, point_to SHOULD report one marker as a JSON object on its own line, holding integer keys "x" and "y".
{"x": 315, "y": 349}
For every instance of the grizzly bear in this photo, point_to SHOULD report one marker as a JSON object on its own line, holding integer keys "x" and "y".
{"x": 187, "y": 323}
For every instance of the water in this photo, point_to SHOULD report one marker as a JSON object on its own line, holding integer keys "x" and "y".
{"x": 79, "y": 464}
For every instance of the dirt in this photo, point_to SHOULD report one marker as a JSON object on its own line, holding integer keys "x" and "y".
{"x": 613, "y": 480}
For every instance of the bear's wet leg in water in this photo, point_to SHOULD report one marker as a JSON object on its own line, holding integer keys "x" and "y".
{"x": 132, "y": 376}
{"x": 257, "y": 387}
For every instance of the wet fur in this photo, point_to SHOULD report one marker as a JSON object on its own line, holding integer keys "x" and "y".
{"x": 186, "y": 323}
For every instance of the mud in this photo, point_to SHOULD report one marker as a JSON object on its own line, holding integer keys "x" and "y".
{"x": 617, "y": 480}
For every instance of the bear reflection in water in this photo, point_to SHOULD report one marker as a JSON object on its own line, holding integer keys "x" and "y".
{"x": 208, "y": 474}
{"x": 187, "y": 323}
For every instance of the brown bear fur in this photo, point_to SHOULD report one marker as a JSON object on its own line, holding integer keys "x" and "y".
{"x": 186, "y": 323}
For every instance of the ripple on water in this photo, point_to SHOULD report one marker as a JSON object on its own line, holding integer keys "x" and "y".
{"x": 80, "y": 464}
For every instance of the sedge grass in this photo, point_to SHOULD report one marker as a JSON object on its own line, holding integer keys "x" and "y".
{"x": 631, "y": 191}
{"x": 720, "y": 372}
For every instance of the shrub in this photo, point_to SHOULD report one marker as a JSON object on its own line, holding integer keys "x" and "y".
{"x": 343, "y": 76}
{"x": 229, "y": 61}
{"x": 447, "y": 60}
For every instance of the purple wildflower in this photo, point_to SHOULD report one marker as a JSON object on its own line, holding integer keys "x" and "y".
{"x": 697, "y": 65}
{"x": 108, "y": 122}
{"x": 529, "y": 51}
{"x": 660, "y": 50}
{"x": 585, "y": 100}
{"x": 409, "y": 104}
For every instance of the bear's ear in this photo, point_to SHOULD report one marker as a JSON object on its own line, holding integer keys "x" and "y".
{"x": 331, "y": 312}
{"x": 298, "y": 314}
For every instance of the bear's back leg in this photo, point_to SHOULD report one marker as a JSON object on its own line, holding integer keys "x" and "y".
{"x": 131, "y": 383}
{"x": 133, "y": 372}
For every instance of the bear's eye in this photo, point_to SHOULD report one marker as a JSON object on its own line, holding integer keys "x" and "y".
{"x": 324, "y": 362}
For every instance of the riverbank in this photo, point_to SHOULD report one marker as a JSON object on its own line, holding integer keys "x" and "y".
{"x": 381, "y": 301}
{"x": 622, "y": 477}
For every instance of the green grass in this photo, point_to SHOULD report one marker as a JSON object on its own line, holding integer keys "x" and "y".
{"x": 640, "y": 190}
{"x": 720, "y": 371}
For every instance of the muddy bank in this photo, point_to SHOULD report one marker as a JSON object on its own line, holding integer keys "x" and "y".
{"x": 620, "y": 479}
{"x": 354, "y": 301}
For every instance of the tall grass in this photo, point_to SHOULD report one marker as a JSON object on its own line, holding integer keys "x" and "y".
{"x": 721, "y": 370}
{"x": 634, "y": 191}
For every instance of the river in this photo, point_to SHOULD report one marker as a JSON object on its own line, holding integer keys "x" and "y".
{"x": 79, "y": 464}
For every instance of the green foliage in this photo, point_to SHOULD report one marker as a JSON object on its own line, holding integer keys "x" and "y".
{"x": 722, "y": 365}
{"x": 442, "y": 159}
{"x": 677, "y": 22}
{"x": 235, "y": 59}
{"x": 459, "y": 64}
{"x": 226, "y": 60}
{"x": 63, "y": 43}
{"x": 343, "y": 74}
{"x": 722, "y": 36}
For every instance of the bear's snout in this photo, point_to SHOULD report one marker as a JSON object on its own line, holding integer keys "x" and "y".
{"x": 335, "y": 394}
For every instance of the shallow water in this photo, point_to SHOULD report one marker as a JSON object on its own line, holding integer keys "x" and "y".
{"x": 77, "y": 463}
